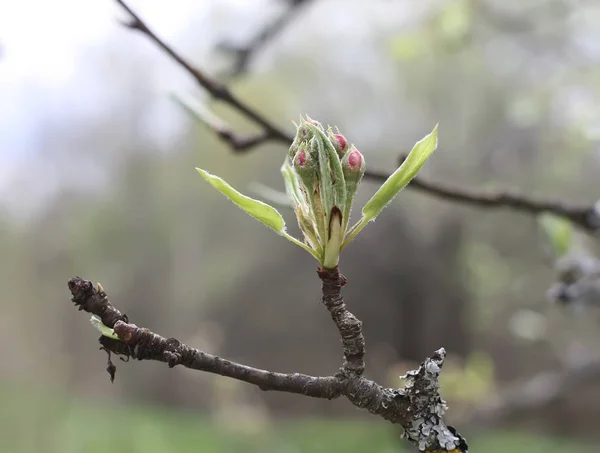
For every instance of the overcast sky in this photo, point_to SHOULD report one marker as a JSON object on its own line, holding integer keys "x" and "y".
{"x": 49, "y": 51}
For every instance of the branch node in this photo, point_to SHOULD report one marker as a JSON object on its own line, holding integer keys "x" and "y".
{"x": 417, "y": 407}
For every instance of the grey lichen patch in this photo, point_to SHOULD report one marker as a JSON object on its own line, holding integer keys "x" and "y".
{"x": 427, "y": 429}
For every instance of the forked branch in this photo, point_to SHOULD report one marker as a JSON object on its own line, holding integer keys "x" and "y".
{"x": 417, "y": 407}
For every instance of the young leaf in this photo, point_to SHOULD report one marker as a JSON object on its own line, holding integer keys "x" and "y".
{"x": 262, "y": 212}
{"x": 396, "y": 182}
{"x": 402, "y": 176}
{"x": 336, "y": 236}
{"x": 102, "y": 328}
{"x": 559, "y": 232}
{"x": 291, "y": 183}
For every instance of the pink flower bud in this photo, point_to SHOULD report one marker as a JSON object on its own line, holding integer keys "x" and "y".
{"x": 306, "y": 168}
{"x": 353, "y": 166}
{"x": 315, "y": 123}
{"x": 355, "y": 160}
{"x": 342, "y": 142}
{"x": 339, "y": 142}
{"x": 301, "y": 157}
{"x": 306, "y": 130}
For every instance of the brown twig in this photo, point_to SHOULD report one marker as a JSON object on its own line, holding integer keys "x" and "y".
{"x": 216, "y": 89}
{"x": 584, "y": 216}
{"x": 350, "y": 328}
{"x": 417, "y": 407}
{"x": 244, "y": 54}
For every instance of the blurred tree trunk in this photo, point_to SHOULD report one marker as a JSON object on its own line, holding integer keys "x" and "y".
{"x": 406, "y": 289}
{"x": 419, "y": 288}
{"x": 432, "y": 300}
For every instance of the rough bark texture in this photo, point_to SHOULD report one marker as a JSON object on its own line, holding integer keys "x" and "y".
{"x": 417, "y": 408}
{"x": 349, "y": 327}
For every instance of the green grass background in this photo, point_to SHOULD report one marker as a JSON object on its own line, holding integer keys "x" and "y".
{"x": 51, "y": 424}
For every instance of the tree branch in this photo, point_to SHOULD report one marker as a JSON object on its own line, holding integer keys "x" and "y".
{"x": 585, "y": 217}
{"x": 244, "y": 54}
{"x": 348, "y": 325}
{"x": 216, "y": 89}
{"x": 417, "y": 407}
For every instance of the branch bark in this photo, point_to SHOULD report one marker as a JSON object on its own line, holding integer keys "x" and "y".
{"x": 350, "y": 328}
{"x": 244, "y": 54}
{"x": 417, "y": 407}
{"x": 586, "y": 217}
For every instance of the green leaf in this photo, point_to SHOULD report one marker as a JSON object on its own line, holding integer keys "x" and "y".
{"x": 325, "y": 182}
{"x": 339, "y": 187}
{"x": 402, "y": 176}
{"x": 103, "y": 328}
{"x": 396, "y": 182}
{"x": 455, "y": 20}
{"x": 291, "y": 183}
{"x": 559, "y": 232}
{"x": 408, "y": 46}
{"x": 262, "y": 212}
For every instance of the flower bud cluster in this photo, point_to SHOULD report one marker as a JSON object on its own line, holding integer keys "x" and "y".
{"x": 327, "y": 171}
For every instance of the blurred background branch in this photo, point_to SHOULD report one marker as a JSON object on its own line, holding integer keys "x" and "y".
{"x": 216, "y": 89}
{"x": 542, "y": 392}
{"x": 243, "y": 55}
{"x": 586, "y": 217}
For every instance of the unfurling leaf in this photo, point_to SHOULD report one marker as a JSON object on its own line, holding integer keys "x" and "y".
{"x": 334, "y": 241}
{"x": 262, "y": 212}
{"x": 402, "y": 176}
{"x": 559, "y": 232}
{"x": 396, "y": 182}
{"x": 102, "y": 328}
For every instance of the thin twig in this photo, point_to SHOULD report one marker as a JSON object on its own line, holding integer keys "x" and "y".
{"x": 584, "y": 216}
{"x": 244, "y": 54}
{"x": 417, "y": 407}
{"x": 216, "y": 89}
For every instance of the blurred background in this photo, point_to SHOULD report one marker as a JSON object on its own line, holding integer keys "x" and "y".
{"x": 97, "y": 179}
